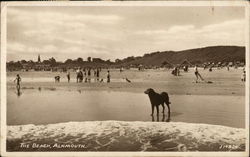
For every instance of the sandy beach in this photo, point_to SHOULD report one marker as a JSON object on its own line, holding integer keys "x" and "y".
{"x": 42, "y": 104}
{"x": 223, "y": 82}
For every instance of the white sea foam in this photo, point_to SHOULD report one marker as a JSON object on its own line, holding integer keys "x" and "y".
{"x": 142, "y": 136}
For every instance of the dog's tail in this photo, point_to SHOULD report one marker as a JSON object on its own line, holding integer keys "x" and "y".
{"x": 165, "y": 97}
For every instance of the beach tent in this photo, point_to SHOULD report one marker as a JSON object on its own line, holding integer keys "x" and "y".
{"x": 186, "y": 62}
{"x": 167, "y": 64}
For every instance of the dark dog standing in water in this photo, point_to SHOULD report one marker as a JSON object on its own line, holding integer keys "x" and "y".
{"x": 157, "y": 99}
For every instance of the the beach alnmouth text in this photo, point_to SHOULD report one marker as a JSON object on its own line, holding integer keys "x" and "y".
{"x": 48, "y": 146}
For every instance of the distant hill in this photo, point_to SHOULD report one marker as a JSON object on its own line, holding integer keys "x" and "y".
{"x": 195, "y": 56}
{"x": 215, "y": 54}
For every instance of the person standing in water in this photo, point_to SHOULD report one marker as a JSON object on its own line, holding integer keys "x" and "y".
{"x": 97, "y": 74}
{"x": 18, "y": 80}
{"x": 68, "y": 76}
{"x": 108, "y": 77}
{"x": 197, "y": 74}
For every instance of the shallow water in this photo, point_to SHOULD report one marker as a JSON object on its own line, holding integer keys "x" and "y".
{"x": 50, "y": 105}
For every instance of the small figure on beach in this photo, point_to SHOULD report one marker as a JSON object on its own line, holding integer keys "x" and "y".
{"x": 77, "y": 75}
{"x": 81, "y": 76}
{"x": 89, "y": 75}
{"x": 205, "y": 66}
{"x": 108, "y": 77}
{"x": 227, "y": 67}
{"x": 68, "y": 76}
{"x": 121, "y": 69}
{"x": 18, "y": 80}
{"x": 243, "y": 76}
{"x": 210, "y": 69}
{"x": 85, "y": 76}
{"x": 176, "y": 71}
{"x": 97, "y": 74}
{"x": 185, "y": 68}
{"x": 197, "y": 74}
{"x": 57, "y": 78}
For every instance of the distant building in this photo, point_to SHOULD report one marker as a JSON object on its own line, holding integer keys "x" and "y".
{"x": 39, "y": 59}
{"x": 97, "y": 60}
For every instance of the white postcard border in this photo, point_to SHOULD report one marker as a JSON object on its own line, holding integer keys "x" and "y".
{"x": 4, "y": 6}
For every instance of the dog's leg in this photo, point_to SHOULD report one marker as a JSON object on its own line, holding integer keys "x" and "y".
{"x": 163, "y": 118}
{"x": 153, "y": 118}
{"x": 163, "y": 108}
{"x": 152, "y": 106}
{"x": 168, "y": 110}
{"x": 157, "y": 108}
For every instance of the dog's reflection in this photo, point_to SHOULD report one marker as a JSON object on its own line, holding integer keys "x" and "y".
{"x": 164, "y": 118}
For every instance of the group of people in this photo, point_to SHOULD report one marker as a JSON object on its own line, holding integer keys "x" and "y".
{"x": 176, "y": 70}
{"x": 198, "y": 75}
{"x": 85, "y": 74}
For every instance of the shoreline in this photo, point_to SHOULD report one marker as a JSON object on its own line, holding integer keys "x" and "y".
{"x": 137, "y": 87}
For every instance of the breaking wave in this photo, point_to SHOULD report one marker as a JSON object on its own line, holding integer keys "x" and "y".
{"x": 125, "y": 136}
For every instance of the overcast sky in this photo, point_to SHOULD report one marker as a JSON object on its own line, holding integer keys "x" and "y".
{"x": 118, "y": 32}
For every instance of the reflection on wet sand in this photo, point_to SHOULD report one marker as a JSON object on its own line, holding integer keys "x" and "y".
{"x": 19, "y": 93}
{"x": 92, "y": 105}
{"x": 164, "y": 119}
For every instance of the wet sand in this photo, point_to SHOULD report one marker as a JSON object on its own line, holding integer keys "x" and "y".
{"x": 101, "y": 116}
{"x": 221, "y": 102}
{"x": 46, "y": 106}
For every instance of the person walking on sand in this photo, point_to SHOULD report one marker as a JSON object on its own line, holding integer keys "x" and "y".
{"x": 243, "y": 76}
{"x": 81, "y": 75}
{"x": 85, "y": 76}
{"x": 68, "y": 76}
{"x": 18, "y": 80}
{"x": 77, "y": 75}
{"x": 197, "y": 74}
{"x": 108, "y": 77}
{"x": 97, "y": 74}
{"x": 89, "y": 75}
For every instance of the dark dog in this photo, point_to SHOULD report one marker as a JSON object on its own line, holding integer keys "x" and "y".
{"x": 157, "y": 99}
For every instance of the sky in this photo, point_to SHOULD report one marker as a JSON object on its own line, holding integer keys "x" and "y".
{"x": 111, "y": 32}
